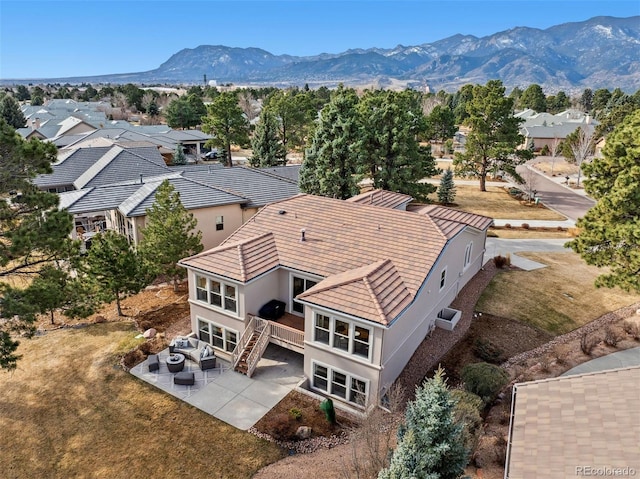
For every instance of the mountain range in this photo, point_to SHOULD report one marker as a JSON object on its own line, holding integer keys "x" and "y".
{"x": 603, "y": 52}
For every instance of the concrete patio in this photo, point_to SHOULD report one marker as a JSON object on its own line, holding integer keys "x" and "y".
{"x": 228, "y": 395}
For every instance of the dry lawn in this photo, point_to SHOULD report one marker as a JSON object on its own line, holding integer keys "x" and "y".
{"x": 560, "y": 167}
{"x": 69, "y": 410}
{"x": 497, "y": 203}
{"x": 520, "y": 233}
{"x": 557, "y": 299}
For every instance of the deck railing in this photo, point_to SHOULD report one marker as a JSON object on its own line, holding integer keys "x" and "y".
{"x": 244, "y": 339}
{"x": 263, "y": 328}
{"x": 287, "y": 335}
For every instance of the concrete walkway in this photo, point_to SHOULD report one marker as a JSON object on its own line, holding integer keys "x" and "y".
{"x": 620, "y": 359}
{"x": 228, "y": 395}
{"x": 499, "y": 246}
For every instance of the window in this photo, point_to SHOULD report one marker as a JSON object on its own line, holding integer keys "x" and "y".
{"x": 201, "y": 288}
{"x": 203, "y": 331}
{"x": 340, "y": 384}
{"x": 358, "y": 392}
{"x": 299, "y": 286}
{"x": 443, "y": 278}
{"x": 361, "y": 342}
{"x": 320, "y": 376}
{"x": 215, "y": 293}
{"x": 322, "y": 331}
{"x": 219, "y": 223}
{"x": 218, "y": 336}
{"x": 343, "y": 335}
{"x": 230, "y": 303}
{"x": 467, "y": 254}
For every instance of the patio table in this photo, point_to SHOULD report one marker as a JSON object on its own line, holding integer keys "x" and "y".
{"x": 175, "y": 362}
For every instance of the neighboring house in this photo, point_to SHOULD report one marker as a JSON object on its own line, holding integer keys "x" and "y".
{"x": 122, "y": 207}
{"x": 545, "y": 129}
{"x": 96, "y": 166}
{"x": 362, "y": 287}
{"x": 383, "y": 198}
{"x": 572, "y": 426}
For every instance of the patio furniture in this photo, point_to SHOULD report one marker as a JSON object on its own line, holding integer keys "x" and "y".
{"x": 193, "y": 349}
{"x": 175, "y": 362}
{"x": 184, "y": 378}
{"x": 153, "y": 362}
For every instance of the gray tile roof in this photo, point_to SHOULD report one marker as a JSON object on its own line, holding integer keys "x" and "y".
{"x": 65, "y": 172}
{"x": 133, "y": 198}
{"x": 259, "y": 188}
{"x": 289, "y": 172}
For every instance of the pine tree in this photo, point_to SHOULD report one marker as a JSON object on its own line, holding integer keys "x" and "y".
{"x": 388, "y": 149}
{"x": 330, "y": 165}
{"x": 225, "y": 120}
{"x": 11, "y": 113}
{"x": 266, "y": 145}
{"x": 178, "y": 156}
{"x": 35, "y": 234}
{"x": 431, "y": 442}
{"x": 447, "y": 188}
{"x": 610, "y": 231}
{"x": 115, "y": 267}
{"x": 169, "y": 234}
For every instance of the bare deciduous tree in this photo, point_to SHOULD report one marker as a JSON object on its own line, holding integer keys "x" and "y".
{"x": 580, "y": 147}
{"x": 247, "y": 105}
{"x": 554, "y": 149}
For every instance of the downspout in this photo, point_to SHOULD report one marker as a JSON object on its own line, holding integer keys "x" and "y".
{"x": 511, "y": 417}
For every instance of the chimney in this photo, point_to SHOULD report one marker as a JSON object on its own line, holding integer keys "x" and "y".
{"x": 302, "y": 236}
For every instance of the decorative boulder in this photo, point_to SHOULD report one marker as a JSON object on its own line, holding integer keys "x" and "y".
{"x": 100, "y": 319}
{"x": 303, "y": 432}
{"x": 149, "y": 333}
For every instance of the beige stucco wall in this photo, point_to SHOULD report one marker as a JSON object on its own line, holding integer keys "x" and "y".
{"x": 404, "y": 336}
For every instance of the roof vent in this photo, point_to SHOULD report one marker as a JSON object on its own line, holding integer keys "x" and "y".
{"x": 302, "y": 236}
{"x": 282, "y": 212}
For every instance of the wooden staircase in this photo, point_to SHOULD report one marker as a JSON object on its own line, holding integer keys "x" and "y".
{"x": 242, "y": 366}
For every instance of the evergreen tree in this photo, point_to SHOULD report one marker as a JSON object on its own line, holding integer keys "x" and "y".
{"x": 441, "y": 124}
{"x": 610, "y": 231}
{"x": 431, "y": 442}
{"x": 533, "y": 97}
{"x": 494, "y": 138}
{"x": 115, "y": 267}
{"x": 11, "y": 113}
{"x": 329, "y": 167}
{"x": 295, "y": 113}
{"x": 388, "y": 148}
{"x": 34, "y": 233}
{"x": 447, "y": 188}
{"x": 170, "y": 234}
{"x": 227, "y": 123}
{"x": 178, "y": 156}
{"x": 265, "y": 144}
{"x": 185, "y": 112}
{"x": 586, "y": 100}
{"x": 22, "y": 93}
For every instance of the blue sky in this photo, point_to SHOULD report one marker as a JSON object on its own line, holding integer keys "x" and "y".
{"x": 53, "y": 38}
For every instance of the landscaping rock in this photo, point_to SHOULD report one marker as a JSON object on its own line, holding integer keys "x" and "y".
{"x": 303, "y": 432}
{"x": 150, "y": 333}
{"x": 100, "y": 319}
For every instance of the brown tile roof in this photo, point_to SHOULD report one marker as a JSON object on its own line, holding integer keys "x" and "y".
{"x": 381, "y": 198}
{"x": 451, "y": 220}
{"x": 362, "y": 252}
{"x": 374, "y": 291}
{"x": 572, "y": 421}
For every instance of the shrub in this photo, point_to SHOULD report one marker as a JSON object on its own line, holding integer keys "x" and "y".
{"x": 488, "y": 351}
{"x": 484, "y": 379}
{"x": 612, "y": 336}
{"x": 326, "y": 407}
{"x": 561, "y": 351}
{"x": 467, "y": 412}
{"x": 507, "y": 225}
{"x": 500, "y": 261}
{"x": 525, "y": 226}
{"x": 588, "y": 343}
{"x": 295, "y": 413}
{"x": 632, "y": 329}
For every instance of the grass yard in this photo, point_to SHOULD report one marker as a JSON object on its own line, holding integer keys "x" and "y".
{"x": 69, "y": 410}
{"x": 538, "y": 233}
{"x": 557, "y": 299}
{"x": 497, "y": 203}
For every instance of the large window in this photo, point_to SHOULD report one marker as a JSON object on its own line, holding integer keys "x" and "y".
{"x": 216, "y": 293}
{"x": 218, "y": 336}
{"x": 343, "y": 335}
{"x": 299, "y": 286}
{"x": 340, "y": 384}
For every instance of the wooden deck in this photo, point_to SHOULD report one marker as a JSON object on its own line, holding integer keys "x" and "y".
{"x": 291, "y": 320}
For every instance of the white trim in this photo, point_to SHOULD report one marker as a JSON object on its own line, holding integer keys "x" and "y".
{"x": 351, "y": 338}
{"x": 290, "y": 301}
{"x": 224, "y": 329}
{"x": 349, "y": 377}
{"x": 442, "y": 281}
{"x": 223, "y": 291}
{"x": 468, "y": 253}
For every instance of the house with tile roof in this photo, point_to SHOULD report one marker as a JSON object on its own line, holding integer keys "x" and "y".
{"x": 572, "y": 426}
{"x": 543, "y": 129}
{"x": 361, "y": 286}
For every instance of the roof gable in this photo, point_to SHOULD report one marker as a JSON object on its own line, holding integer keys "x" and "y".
{"x": 381, "y": 198}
